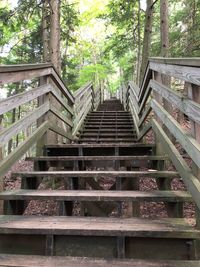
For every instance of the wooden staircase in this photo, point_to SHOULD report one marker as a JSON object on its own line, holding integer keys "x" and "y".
{"x": 95, "y": 180}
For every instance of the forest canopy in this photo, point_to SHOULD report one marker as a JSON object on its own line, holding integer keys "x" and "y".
{"x": 106, "y": 41}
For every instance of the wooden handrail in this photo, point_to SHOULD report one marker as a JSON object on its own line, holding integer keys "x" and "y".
{"x": 52, "y": 97}
{"x": 86, "y": 99}
{"x": 16, "y": 73}
{"x": 150, "y": 97}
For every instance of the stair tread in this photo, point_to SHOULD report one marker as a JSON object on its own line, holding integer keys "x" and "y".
{"x": 93, "y": 226}
{"x": 96, "y": 195}
{"x": 133, "y": 145}
{"x": 97, "y": 174}
{"x": 90, "y": 158}
{"x": 10, "y": 260}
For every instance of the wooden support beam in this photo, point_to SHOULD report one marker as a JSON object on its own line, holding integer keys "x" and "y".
{"x": 187, "y": 106}
{"x": 22, "y": 148}
{"x": 185, "y": 73}
{"x": 23, "y": 98}
{"x": 189, "y": 143}
{"x": 22, "y": 124}
{"x": 191, "y": 182}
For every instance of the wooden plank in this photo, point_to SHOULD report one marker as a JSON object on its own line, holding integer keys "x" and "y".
{"x": 22, "y": 124}
{"x": 185, "y": 73}
{"x": 96, "y": 195}
{"x": 97, "y": 174}
{"x": 84, "y": 111}
{"x": 22, "y": 67}
{"x": 135, "y": 119}
{"x": 61, "y": 86}
{"x": 192, "y": 183}
{"x": 135, "y": 89}
{"x": 22, "y": 98}
{"x": 59, "y": 115}
{"x": 78, "y": 124}
{"x": 145, "y": 114}
{"x": 60, "y": 131}
{"x": 144, "y": 99}
{"x": 82, "y": 90}
{"x": 6, "y": 164}
{"x": 96, "y": 158}
{"x": 134, "y": 104}
{"x": 188, "y": 107}
{"x": 79, "y": 105}
{"x": 144, "y": 131}
{"x": 145, "y": 82}
{"x": 61, "y": 100}
{"x": 21, "y": 75}
{"x": 95, "y": 226}
{"x": 192, "y": 62}
{"x": 189, "y": 143}
{"x": 10, "y": 260}
{"x": 132, "y": 145}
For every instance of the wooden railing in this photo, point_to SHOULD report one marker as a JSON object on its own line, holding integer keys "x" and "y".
{"x": 86, "y": 99}
{"x": 170, "y": 86}
{"x": 51, "y": 109}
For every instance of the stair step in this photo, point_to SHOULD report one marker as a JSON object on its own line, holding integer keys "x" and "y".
{"x": 112, "y": 140}
{"x": 103, "y": 120}
{"x": 133, "y": 145}
{"x": 110, "y": 112}
{"x": 97, "y": 174}
{"x": 97, "y": 226}
{"x": 109, "y": 115}
{"x": 96, "y": 158}
{"x": 9, "y": 260}
{"x": 108, "y": 130}
{"x": 108, "y": 134}
{"x": 94, "y": 116}
{"x": 125, "y": 123}
{"x": 118, "y": 127}
{"x": 93, "y": 195}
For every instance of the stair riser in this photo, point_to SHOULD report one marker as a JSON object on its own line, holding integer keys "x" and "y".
{"x": 96, "y": 246}
{"x": 98, "y": 151}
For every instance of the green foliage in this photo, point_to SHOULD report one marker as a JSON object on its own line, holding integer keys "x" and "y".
{"x": 93, "y": 73}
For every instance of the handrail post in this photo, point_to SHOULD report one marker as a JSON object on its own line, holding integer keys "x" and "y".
{"x": 41, "y": 100}
{"x": 1, "y": 178}
{"x": 93, "y": 98}
{"x": 194, "y": 94}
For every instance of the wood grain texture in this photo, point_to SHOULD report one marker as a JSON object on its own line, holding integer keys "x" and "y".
{"x": 188, "y": 142}
{"x": 7, "y": 260}
{"x": 23, "y": 123}
{"x": 185, "y": 73}
{"x": 22, "y": 98}
{"x": 97, "y": 174}
{"x": 96, "y": 158}
{"x": 187, "y": 106}
{"x": 32, "y": 261}
{"x": 22, "y": 148}
{"x": 95, "y": 226}
{"x": 192, "y": 183}
{"x": 96, "y": 195}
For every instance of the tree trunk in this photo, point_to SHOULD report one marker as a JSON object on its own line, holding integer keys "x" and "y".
{"x": 55, "y": 35}
{"x": 164, "y": 35}
{"x": 45, "y": 30}
{"x": 147, "y": 38}
{"x": 139, "y": 44}
{"x": 10, "y": 143}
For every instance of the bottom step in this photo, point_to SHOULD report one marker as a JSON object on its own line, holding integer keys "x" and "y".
{"x": 42, "y": 261}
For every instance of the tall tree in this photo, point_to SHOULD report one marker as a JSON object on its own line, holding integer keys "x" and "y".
{"x": 55, "y": 55}
{"x": 164, "y": 27}
{"x": 147, "y": 37}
